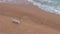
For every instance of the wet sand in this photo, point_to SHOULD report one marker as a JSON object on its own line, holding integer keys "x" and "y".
{"x": 38, "y": 21}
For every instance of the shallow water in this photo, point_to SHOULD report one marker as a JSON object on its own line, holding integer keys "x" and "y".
{"x": 13, "y": 1}
{"x": 52, "y": 6}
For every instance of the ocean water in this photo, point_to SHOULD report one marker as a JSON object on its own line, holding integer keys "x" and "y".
{"x": 52, "y": 6}
{"x": 13, "y": 1}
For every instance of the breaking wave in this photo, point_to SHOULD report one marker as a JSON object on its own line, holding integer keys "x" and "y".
{"x": 52, "y": 6}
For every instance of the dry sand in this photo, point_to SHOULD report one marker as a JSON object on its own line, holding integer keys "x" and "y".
{"x": 38, "y": 21}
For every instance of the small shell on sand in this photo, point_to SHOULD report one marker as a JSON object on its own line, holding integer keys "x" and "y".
{"x": 16, "y": 21}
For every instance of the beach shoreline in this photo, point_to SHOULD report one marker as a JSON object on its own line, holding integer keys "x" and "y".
{"x": 39, "y": 20}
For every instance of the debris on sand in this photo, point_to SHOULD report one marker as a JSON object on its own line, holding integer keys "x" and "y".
{"x": 16, "y": 21}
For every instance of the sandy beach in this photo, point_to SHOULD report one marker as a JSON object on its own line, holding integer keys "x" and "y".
{"x": 37, "y": 22}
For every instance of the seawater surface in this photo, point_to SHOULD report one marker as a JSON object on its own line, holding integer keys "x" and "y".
{"x": 52, "y": 6}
